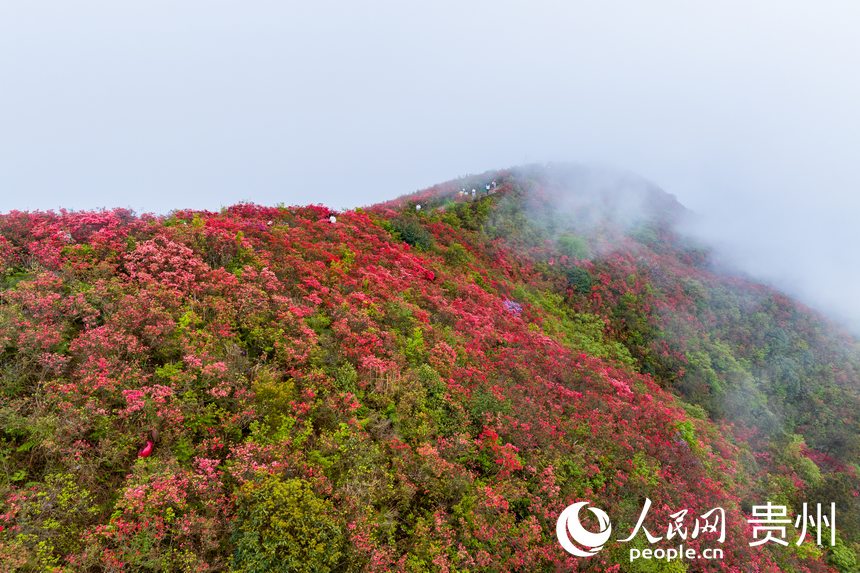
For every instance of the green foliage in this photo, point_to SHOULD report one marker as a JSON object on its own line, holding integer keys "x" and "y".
{"x": 457, "y": 255}
{"x": 581, "y": 331}
{"x": 345, "y": 378}
{"x": 410, "y": 230}
{"x": 579, "y": 279}
{"x": 413, "y": 346}
{"x": 50, "y": 521}
{"x": 169, "y": 372}
{"x": 571, "y": 472}
{"x": 573, "y": 246}
{"x": 22, "y": 438}
{"x": 715, "y": 379}
{"x": 12, "y": 277}
{"x": 470, "y": 215}
{"x": 647, "y": 469}
{"x": 399, "y": 317}
{"x": 283, "y": 526}
{"x": 687, "y": 432}
{"x": 183, "y": 449}
{"x": 346, "y": 261}
{"x": 842, "y": 557}
{"x": 319, "y": 322}
{"x": 635, "y": 327}
{"x": 483, "y": 404}
{"x": 645, "y": 234}
{"x": 791, "y": 453}
{"x": 273, "y": 397}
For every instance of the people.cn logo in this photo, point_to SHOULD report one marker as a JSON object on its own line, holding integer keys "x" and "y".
{"x": 574, "y": 538}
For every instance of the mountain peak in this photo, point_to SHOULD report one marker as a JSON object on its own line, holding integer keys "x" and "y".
{"x": 403, "y": 387}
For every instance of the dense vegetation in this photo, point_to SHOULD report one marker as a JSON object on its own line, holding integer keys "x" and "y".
{"x": 403, "y": 389}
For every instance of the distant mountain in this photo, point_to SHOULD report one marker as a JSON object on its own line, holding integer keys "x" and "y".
{"x": 421, "y": 385}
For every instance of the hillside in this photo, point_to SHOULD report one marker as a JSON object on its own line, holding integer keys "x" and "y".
{"x": 268, "y": 388}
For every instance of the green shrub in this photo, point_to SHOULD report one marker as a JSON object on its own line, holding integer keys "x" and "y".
{"x": 346, "y": 377}
{"x": 283, "y": 526}
{"x": 457, "y": 255}
{"x": 410, "y": 230}
{"x": 842, "y": 557}
{"x": 579, "y": 279}
{"x": 573, "y": 246}
{"x": 687, "y": 432}
{"x": 50, "y": 521}
{"x": 413, "y": 346}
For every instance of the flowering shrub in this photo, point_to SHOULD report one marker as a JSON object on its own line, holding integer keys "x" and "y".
{"x": 396, "y": 390}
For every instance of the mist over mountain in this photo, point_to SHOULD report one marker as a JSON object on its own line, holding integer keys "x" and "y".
{"x": 801, "y": 250}
{"x": 783, "y": 250}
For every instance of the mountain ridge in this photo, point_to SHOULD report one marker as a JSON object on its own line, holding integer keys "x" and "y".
{"x": 403, "y": 388}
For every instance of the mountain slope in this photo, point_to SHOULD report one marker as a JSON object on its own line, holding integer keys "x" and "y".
{"x": 405, "y": 389}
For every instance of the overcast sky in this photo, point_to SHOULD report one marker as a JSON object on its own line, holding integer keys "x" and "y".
{"x": 749, "y": 112}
